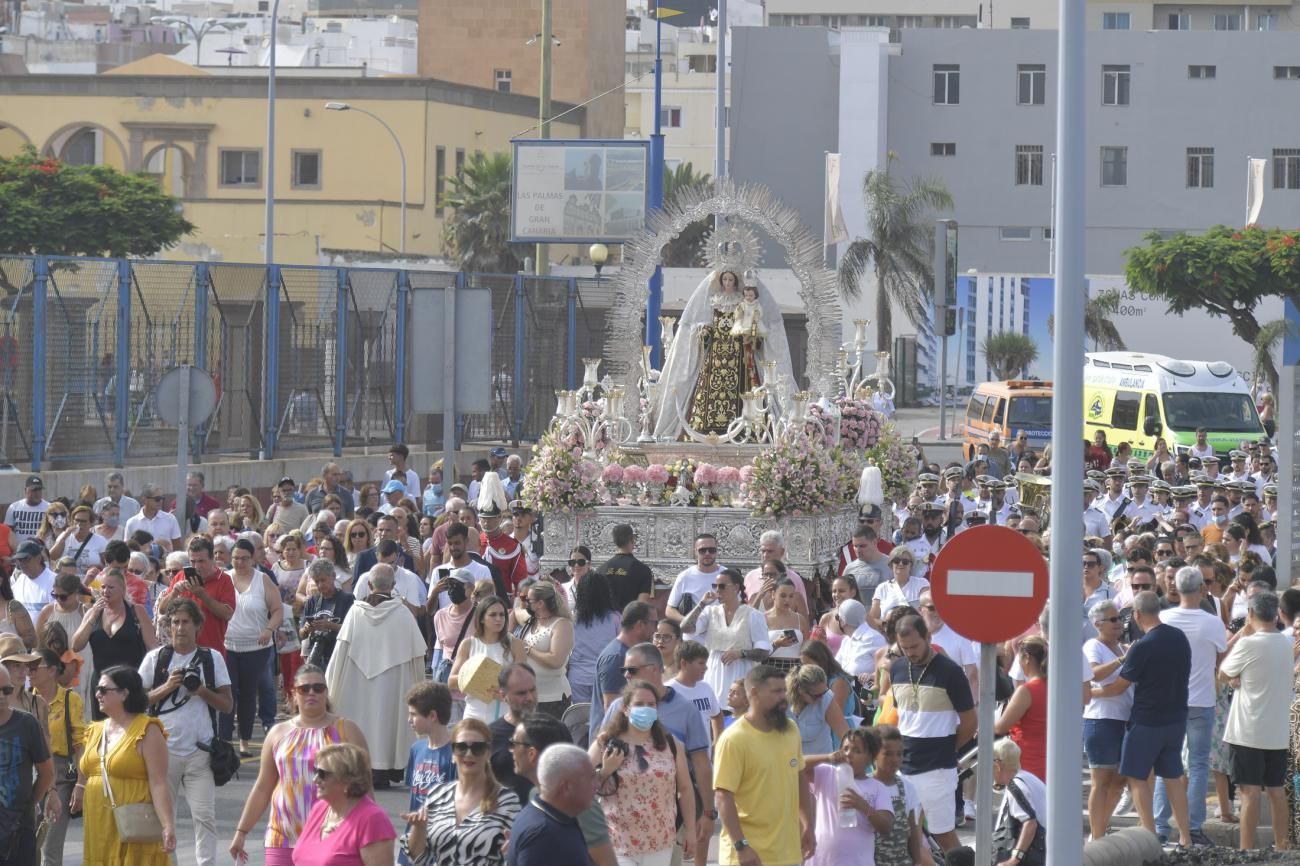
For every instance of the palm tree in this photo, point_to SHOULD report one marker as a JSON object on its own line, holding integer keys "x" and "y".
{"x": 1009, "y": 353}
{"x": 1264, "y": 346}
{"x": 477, "y": 234}
{"x": 1097, "y": 325}
{"x": 899, "y": 249}
{"x": 687, "y": 249}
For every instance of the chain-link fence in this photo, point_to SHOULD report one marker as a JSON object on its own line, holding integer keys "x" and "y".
{"x": 84, "y": 343}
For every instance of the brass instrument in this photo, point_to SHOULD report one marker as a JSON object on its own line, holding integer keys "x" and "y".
{"x": 1035, "y": 492}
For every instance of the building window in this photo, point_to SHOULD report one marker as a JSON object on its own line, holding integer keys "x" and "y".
{"x": 1047, "y": 233}
{"x": 1286, "y": 168}
{"x": 1115, "y": 21}
{"x": 947, "y": 84}
{"x": 943, "y": 148}
{"x": 1180, "y": 21}
{"x": 876, "y": 21}
{"x": 1029, "y": 165}
{"x": 1290, "y": 73}
{"x": 670, "y": 116}
{"x": 241, "y": 168}
{"x": 1031, "y": 83}
{"x": 1266, "y": 21}
{"x": 502, "y": 80}
{"x": 1019, "y": 23}
{"x": 1114, "y": 166}
{"x": 1227, "y": 21}
{"x": 460, "y": 163}
{"x": 1015, "y": 233}
{"x": 440, "y": 178}
{"x": 1202, "y": 71}
{"x": 1115, "y": 85}
{"x": 306, "y": 169}
{"x": 1200, "y": 167}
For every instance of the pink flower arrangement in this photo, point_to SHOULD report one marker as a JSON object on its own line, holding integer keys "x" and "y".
{"x": 705, "y": 474}
{"x": 656, "y": 473}
{"x": 613, "y": 474}
{"x": 634, "y": 474}
{"x": 800, "y": 476}
{"x": 746, "y": 473}
{"x": 559, "y": 478}
{"x": 728, "y": 475}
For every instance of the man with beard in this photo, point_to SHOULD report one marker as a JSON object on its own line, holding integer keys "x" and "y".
{"x": 758, "y": 774}
{"x": 936, "y": 714}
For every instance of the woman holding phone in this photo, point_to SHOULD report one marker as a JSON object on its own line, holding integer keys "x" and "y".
{"x": 786, "y": 627}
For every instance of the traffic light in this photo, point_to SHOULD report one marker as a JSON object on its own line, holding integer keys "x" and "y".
{"x": 945, "y": 275}
{"x": 949, "y": 321}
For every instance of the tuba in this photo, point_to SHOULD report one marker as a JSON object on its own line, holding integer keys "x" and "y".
{"x": 1035, "y": 493}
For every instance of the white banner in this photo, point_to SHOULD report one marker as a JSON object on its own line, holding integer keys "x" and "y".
{"x": 1255, "y": 189}
{"x": 834, "y": 230}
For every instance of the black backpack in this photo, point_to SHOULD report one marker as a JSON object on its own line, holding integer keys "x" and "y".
{"x": 224, "y": 757}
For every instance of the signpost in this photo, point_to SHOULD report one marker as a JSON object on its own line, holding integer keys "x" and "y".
{"x": 583, "y": 191}
{"x": 989, "y": 584}
{"x": 186, "y": 396}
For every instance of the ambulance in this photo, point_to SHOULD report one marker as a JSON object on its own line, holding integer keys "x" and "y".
{"x": 1136, "y": 398}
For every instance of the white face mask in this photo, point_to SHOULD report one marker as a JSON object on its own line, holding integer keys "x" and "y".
{"x": 59, "y": 521}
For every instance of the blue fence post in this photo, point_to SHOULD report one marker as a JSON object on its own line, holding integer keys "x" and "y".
{"x": 571, "y": 355}
{"x": 462, "y": 280}
{"x": 341, "y": 362}
{"x": 39, "y": 288}
{"x": 122, "y": 367}
{"x": 399, "y": 400}
{"x": 201, "y": 277}
{"x": 271, "y": 363}
{"x": 517, "y": 397}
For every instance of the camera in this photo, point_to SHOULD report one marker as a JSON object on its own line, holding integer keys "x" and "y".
{"x": 192, "y": 676}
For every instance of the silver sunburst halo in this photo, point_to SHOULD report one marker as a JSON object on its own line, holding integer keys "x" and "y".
{"x": 733, "y": 245}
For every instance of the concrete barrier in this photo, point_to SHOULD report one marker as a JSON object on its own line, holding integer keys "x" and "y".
{"x": 1130, "y": 847}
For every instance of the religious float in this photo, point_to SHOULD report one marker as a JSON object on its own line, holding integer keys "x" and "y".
{"x": 723, "y": 438}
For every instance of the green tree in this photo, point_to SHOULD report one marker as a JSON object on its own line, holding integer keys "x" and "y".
{"x": 1097, "y": 324}
{"x": 687, "y": 249}
{"x": 1009, "y": 353}
{"x": 899, "y": 219}
{"x": 1265, "y": 346}
{"x": 51, "y": 208}
{"x": 1225, "y": 272}
{"x": 477, "y": 234}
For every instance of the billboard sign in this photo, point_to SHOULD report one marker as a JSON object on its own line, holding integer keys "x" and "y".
{"x": 578, "y": 191}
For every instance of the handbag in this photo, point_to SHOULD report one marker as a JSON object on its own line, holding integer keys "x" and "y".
{"x": 443, "y": 671}
{"x": 136, "y": 822}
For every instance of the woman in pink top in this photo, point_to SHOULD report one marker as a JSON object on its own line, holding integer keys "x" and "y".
{"x": 346, "y": 827}
{"x": 287, "y": 771}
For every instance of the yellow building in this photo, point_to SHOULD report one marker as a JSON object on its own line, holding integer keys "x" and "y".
{"x": 337, "y": 174}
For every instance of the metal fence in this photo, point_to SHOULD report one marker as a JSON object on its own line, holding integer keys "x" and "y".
{"x": 85, "y": 341}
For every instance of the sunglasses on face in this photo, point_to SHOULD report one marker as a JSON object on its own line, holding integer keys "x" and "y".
{"x": 629, "y": 670}
{"x": 310, "y": 688}
{"x": 907, "y": 562}
{"x": 574, "y": 563}
{"x": 520, "y": 744}
{"x": 103, "y": 690}
{"x": 719, "y": 587}
{"x": 1110, "y": 619}
{"x": 706, "y": 550}
{"x": 322, "y": 775}
{"x": 1164, "y": 553}
{"x": 59, "y": 596}
{"x": 478, "y": 748}
{"x": 1091, "y": 563}
{"x": 6, "y": 690}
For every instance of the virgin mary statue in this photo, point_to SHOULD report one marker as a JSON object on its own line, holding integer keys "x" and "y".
{"x": 710, "y": 363}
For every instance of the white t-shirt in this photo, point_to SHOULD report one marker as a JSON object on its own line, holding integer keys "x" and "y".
{"x": 857, "y": 654}
{"x": 410, "y": 479}
{"x": 1035, "y": 793}
{"x": 1118, "y": 707}
{"x": 955, "y": 647}
{"x": 692, "y": 580}
{"x": 33, "y": 593}
{"x": 25, "y": 519}
{"x": 705, "y": 699}
{"x": 474, "y": 567}
{"x": 162, "y": 526}
{"x": 891, "y": 595}
{"x": 90, "y": 554}
{"x": 1206, "y": 634}
{"x": 127, "y": 507}
{"x": 1261, "y": 705}
{"x": 406, "y": 584}
{"x": 190, "y": 723}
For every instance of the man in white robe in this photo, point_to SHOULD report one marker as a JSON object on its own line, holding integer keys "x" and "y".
{"x": 378, "y": 657}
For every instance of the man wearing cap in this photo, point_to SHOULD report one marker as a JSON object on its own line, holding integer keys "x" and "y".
{"x": 1114, "y": 497}
{"x": 497, "y": 461}
{"x": 152, "y": 519}
{"x": 398, "y": 471}
{"x": 952, "y": 479}
{"x": 501, "y": 551}
{"x": 32, "y": 582}
{"x": 393, "y": 491}
{"x": 459, "y": 557}
{"x": 1237, "y": 462}
{"x": 871, "y": 517}
{"x": 24, "y": 516}
{"x": 522, "y": 521}
{"x": 1211, "y": 467}
{"x": 993, "y": 502}
{"x": 1095, "y": 522}
{"x": 24, "y": 756}
{"x": 286, "y": 511}
{"x": 1142, "y": 509}
{"x": 933, "y": 534}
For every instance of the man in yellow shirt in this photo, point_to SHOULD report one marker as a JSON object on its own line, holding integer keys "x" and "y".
{"x": 66, "y": 732}
{"x": 763, "y": 797}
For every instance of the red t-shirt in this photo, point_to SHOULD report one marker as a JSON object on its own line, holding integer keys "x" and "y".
{"x": 212, "y": 634}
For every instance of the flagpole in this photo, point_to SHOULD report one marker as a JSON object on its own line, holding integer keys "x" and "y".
{"x": 1250, "y": 161}
{"x": 826, "y": 214}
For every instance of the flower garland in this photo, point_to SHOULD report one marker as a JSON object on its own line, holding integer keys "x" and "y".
{"x": 860, "y": 424}
{"x": 560, "y": 478}
{"x": 799, "y": 475}
{"x": 896, "y": 461}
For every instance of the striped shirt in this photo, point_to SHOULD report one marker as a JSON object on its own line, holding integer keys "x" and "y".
{"x": 929, "y": 698}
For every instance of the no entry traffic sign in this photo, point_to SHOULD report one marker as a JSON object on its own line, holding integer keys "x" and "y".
{"x": 989, "y": 583}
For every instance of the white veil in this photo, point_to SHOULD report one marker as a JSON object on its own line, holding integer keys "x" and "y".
{"x": 682, "y": 366}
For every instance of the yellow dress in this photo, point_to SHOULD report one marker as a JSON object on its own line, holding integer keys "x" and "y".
{"x": 126, "y": 771}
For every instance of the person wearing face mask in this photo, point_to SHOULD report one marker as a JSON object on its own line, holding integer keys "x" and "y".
{"x": 451, "y": 624}
{"x": 641, "y": 775}
{"x": 109, "y": 526}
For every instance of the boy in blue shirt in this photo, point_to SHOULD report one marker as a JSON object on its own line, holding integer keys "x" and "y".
{"x": 428, "y": 710}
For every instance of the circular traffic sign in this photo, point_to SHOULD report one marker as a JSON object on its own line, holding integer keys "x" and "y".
{"x": 989, "y": 583}
{"x": 202, "y": 395}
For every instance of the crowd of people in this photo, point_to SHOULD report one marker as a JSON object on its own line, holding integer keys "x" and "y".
{"x": 579, "y": 715}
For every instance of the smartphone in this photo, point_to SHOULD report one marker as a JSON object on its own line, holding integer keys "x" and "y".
{"x": 191, "y": 574}
{"x": 444, "y": 571}
{"x": 789, "y": 633}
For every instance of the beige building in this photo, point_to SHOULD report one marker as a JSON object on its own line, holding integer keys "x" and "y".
{"x": 338, "y": 181}
{"x": 484, "y": 43}
{"x": 689, "y": 105}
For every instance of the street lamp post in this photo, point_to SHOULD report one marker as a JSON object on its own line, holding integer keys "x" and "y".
{"x": 209, "y": 24}
{"x": 401, "y": 155}
{"x": 270, "y": 310}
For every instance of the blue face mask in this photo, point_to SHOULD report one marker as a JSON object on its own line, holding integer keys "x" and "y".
{"x": 643, "y": 718}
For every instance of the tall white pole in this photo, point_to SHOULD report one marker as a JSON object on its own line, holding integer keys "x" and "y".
{"x": 267, "y": 342}
{"x": 542, "y": 265}
{"x": 1064, "y": 701}
{"x": 720, "y": 157}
